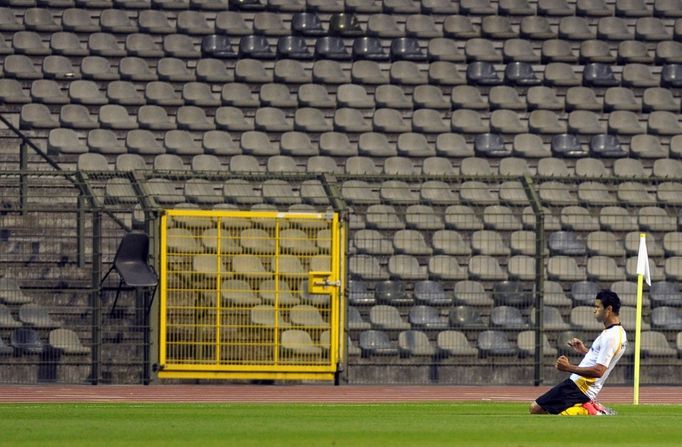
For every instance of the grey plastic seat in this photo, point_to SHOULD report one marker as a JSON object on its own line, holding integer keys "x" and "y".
{"x": 468, "y": 97}
{"x": 65, "y": 141}
{"x": 44, "y": 91}
{"x": 155, "y": 118}
{"x": 445, "y": 73}
{"x": 181, "y": 142}
{"x": 104, "y": 141}
{"x": 67, "y": 44}
{"x": 239, "y": 95}
{"x": 406, "y": 267}
{"x": 504, "y": 97}
{"x": 454, "y": 343}
{"x": 213, "y": 70}
{"x": 367, "y": 72}
{"x": 86, "y": 92}
{"x": 564, "y": 268}
{"x": 613, "y": 28}
{"x": 330, "y": 72}
{"x": 444, "y": 49}
{"x": 373, "y": 342}
{"x": 383, "y": 25}
{"x": 560, "y": 74}
{"x": 59, "y": 67}
{"x": 526, "y": 345}
{"x": 462, "y": 217}
{"x": 252, "y": 71}
{"x": 30, "y": 43}
{"x": 76, "y": 116}
{"x": 136, "y": 69}
{"x": 314, "y": 95}
{"x": 482, "y": 73}
{"x": 467, "y": 121}
{"x": 495, "y": 343}
{"x": 116, "y": 117}
{"x": 21, "y": 67}
{"x": 616, "y": 218}
{"x": 536, "y": 27}
{"x": 98, "y": 68}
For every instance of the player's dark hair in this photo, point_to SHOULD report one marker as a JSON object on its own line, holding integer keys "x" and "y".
{"x": 609, "y": 298}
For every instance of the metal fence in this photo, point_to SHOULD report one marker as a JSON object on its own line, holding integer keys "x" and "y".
{"x": 451, "y": 279}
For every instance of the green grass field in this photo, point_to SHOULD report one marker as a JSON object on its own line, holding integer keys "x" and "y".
{"x": 438, "y": 424}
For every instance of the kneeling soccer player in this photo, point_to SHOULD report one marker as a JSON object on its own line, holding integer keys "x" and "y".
{"x": 577, "y": 394}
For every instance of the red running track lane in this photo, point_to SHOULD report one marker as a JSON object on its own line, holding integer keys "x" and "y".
{"x": 308, "y": 394}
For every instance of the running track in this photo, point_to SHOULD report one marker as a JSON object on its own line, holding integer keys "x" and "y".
{"x": 308, "y": 394}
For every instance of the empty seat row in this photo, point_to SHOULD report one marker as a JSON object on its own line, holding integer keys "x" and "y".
{"x": 373, "y": 138}
{"x": 415, "y": 343}
{"x": 153, "y": 121}
{"x": 542, "y": 100}
{"x": 27, "y": 341}
{"x": 30, "y": 315}
{"x": 310, "y": 24}
{"x": 504, "y": 317}
{"x": 444, "y": 73}
{"x": 432, "y": 293}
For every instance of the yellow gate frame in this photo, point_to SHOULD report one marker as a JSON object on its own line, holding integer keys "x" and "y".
{"x": 211, "y": 325}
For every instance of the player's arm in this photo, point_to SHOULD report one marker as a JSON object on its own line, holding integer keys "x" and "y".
{"x": 578, "y": 346}
{"x": 596, "y": 371}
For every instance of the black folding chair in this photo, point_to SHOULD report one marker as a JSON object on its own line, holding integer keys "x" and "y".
{"x": 131, "y": 264}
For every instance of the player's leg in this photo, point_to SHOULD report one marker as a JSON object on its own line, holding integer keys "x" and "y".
{"x": 562, "y": 396}
{"x": 536, "y": 409}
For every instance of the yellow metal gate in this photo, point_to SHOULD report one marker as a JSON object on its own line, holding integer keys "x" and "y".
{"x": 250, "y": 295}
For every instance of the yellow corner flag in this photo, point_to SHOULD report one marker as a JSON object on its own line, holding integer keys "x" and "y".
{"x": 643, "y": 274}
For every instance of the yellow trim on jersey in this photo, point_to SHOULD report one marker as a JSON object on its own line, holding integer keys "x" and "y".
{"x": 584, "y": 383}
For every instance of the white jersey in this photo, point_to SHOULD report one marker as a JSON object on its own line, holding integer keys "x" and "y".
{"x": 606, "y": 350}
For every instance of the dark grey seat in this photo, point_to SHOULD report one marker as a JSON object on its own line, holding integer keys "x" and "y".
{"x": 217, "y": 46}
{"x": 511, "y": 293}
{"x": 671, "y": 75}
{"x": 374, "y": 342}
{"x": 567, "y": 145}
{"x": 26, "y": 340}
{"x": 293, "y": 47}
{"x": 584, "y": 293}
{"x": 256, "y": 47}
{"x": 331, "y": 47}
{"x": 666, "y": 318}
{"x": 482, "y": 73}
{"x": 358, "y": 295}
{"x": 599, "y": 75}
{"x": 507, "y": 317}
{"x": 307, "y": 24}
{"x": 491, "y": 145}
{"x": 392, "y": 292}
{"x": 407, "y": 48}
{"x": 427, "y": 317}
{"x": 431, "y": 293}
{"x": 465, "y": 317}
{"x": 566, "y": 243}
{"x": 495, "y": 343}
{"x": 520, "y": 74}
{"x": 369, "y": 48}
{"x": 606, "y": 146}
{"x": 665, "y": 293}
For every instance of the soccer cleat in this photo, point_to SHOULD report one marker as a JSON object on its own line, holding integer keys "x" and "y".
{"x": 594, "y": 408}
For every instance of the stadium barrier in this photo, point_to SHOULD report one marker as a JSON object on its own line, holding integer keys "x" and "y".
{"x": 451, "y": 279}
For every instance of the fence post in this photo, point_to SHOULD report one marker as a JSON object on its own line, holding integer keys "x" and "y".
{"x": 95, "y": 296}
{"x": 536, "y": 205}
{"x": 23, "y": 180}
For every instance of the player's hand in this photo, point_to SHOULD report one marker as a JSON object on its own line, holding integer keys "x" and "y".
{"x": 577, "y": 345}
{"x": 562, "y": 363}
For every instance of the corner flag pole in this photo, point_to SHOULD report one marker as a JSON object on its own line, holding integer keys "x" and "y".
{"x": 643, "y": 274}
